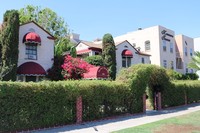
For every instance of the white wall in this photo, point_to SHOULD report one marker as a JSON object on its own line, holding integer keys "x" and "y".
{"x": 45, "y": 51}
{"x": 197, "y": 44}
{"x": 137, "y": 59}
{"x": 183, "y": 41}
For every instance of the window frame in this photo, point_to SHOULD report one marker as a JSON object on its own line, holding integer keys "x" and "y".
{"x": 147, "y": 45}
{"x": 31, "y": 49}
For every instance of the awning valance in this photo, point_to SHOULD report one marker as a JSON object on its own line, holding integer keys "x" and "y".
{"x": 127, "y": 53}
{"x": 31, "y": 68}
{"x": 31, "y": 37}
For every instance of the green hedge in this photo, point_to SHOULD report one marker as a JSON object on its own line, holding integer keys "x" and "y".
{"x": 31, "y": 105}
{"x": 176, "y": 93}
{"x": 38, "y": 105}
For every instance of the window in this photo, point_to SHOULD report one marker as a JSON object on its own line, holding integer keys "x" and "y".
{"x": 171, "y": 47}
{"x": 164, "y": 45}
{"x": 179, "y": 63}
{"x": 142, "y": 60}
{"x": 31, "y": 52}
{"x": 186, "y": 70}
{"x": 191, "y": 52}
{"x": 172, "y": 65}
{"x": 147, "y": 46}
{"x": 185, "y": 51}
{"x": 126, "y": 61}
{"x": 165, "y": 63}
{"x": 191, "y": 71}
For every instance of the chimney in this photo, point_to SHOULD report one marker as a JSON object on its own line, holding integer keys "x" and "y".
{"x": 74, "y": 36}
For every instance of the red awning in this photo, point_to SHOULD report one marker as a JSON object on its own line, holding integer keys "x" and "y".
{"x": 31, "y": 68}
{"x": 80, "y": 52}
{"x": 96, "y": 72}
{"x": 127, "y": 53}
{"x": 32, "y": 37}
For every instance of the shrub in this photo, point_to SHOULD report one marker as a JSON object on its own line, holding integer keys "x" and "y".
{"x": 74, "y": 68}
{"x": 178, "y": 76}
{"x": 96, "y": 60}
{"x": 143, "y": 76}
{"x": 45, "y": 104}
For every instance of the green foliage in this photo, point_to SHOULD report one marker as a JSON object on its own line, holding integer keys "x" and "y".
{"x": 46, "y": 18}
{"x": 109, "y": 55}
{"x": 73, "y": 52}
{"x": 178, "y": 76}
{"x": 143, "y": 76}
{"x": 63, "y": 45}
{"x": 45, "y": 104}
{"x": 96, "y": 60}
{"x": 9, "y": 45}
{"x": 55, "y": 72}
{"x": 176, "y": 94}
{"x": 195, "y": 63}
{"x": 174, "y": 75}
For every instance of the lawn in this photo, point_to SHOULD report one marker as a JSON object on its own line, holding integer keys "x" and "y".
{"x": 181, "y": 124}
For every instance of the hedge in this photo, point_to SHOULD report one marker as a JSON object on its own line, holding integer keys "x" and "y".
{"x": 26, "y": 106}
{"x": 180, "y": 92}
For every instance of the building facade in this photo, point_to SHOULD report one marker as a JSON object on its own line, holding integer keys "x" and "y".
{"x": 164, "y": 47}
{"x": 126, "y": 54}
{"x": 36, "y": 52}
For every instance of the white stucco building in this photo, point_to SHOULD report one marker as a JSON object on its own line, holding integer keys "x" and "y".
{"x": 126, "y": 54}
{"x": 36, "y": 52}
{"x": 165, "y": 49}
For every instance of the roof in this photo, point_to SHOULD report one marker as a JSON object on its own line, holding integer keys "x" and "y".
{"x": 31, "y": 68}
{"x": 92, "y": 44}
{"x": 99, "y": 45}
{"x": 51, "y": 36}
{"x": 142, "y": 53}
{"x": 96, "y": 72}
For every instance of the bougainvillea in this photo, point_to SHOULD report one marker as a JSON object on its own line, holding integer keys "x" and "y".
{"x": 74, "y": 68}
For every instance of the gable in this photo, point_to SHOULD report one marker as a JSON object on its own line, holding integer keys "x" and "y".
{"x": 34, "y": 26}
{"x": 81, "y": 46}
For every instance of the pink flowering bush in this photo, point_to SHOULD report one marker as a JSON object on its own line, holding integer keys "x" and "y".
{"x": 73, "y": 68}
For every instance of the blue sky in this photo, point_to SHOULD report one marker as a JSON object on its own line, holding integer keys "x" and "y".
{"x": 93, "y": 18}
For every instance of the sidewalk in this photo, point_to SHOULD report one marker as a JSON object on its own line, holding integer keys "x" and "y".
{"x": 106, "y": 126}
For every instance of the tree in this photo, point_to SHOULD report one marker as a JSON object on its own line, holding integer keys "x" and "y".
{"x": 195, "y": 63}
{"x": 46, "y": 18}
{"x": 96, "y": 60}
{"x": 74, "y": 68}
{"x": 62, "y": 46}
{"x": 73, "y": 51}
{"x": 9, "y": 45}
{"x": 109, "y": 55}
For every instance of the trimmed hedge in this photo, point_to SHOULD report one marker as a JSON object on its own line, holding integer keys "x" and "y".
{"x": 179, "y": 91}
{"x": 37, "y": 105}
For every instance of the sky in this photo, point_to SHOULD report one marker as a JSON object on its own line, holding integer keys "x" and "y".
{"x": 94, "y": 18}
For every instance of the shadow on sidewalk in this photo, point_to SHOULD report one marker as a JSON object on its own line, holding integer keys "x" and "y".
{"x": 93, "y": 124}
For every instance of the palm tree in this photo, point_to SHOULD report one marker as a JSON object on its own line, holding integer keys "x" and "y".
{"x": 195, "y": 63}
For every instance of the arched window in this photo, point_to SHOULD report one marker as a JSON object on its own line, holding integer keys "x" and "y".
{"x": 126, "y": 58}
{"x": 31, "y": 40}
{"x": 147, "y": 46}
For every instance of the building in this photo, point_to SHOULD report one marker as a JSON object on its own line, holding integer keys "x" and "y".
{"x": 165, "y": 48}
{"x": 36, "y": 52}
{"x": 197, "y": 48}
{"x": 126, "y": 54}
{"x": 184, "y": 53}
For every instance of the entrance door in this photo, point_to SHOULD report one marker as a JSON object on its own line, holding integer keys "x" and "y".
{"x": 30, "y": 78}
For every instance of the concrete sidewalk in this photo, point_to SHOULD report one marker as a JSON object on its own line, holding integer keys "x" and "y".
{"x": 106, "y": 126}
